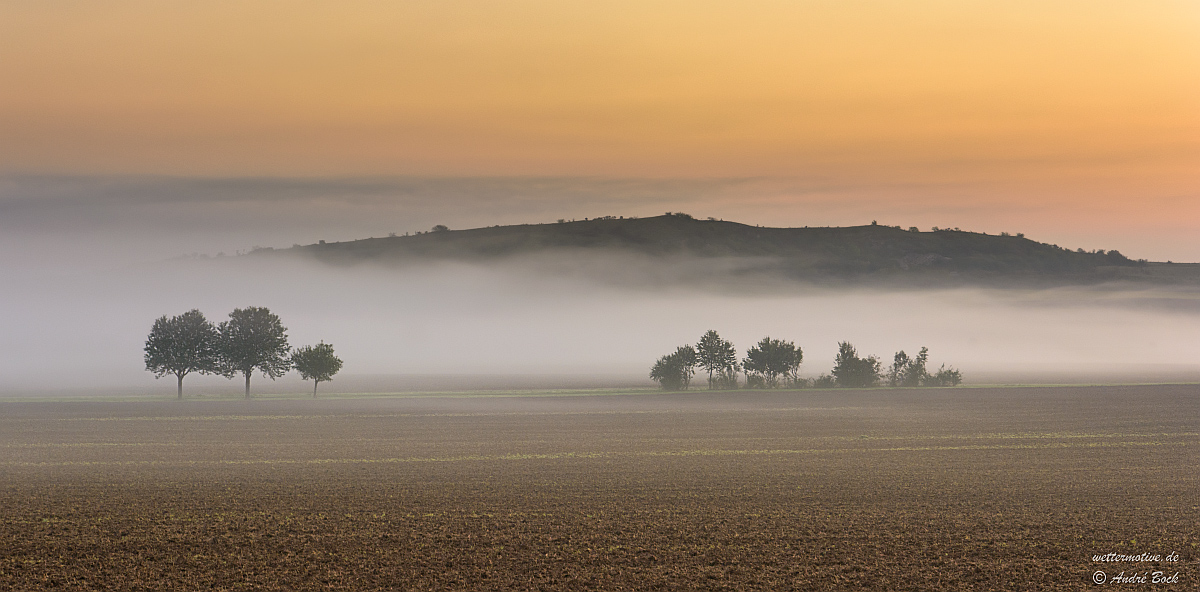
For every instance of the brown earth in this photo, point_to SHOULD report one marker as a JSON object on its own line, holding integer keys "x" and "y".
{"x": 959, "y": 489}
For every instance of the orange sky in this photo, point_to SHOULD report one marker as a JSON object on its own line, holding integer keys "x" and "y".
{"x": 1091, "y": 106}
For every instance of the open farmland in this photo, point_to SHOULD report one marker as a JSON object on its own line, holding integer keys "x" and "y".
{"x": 967, "y": 489}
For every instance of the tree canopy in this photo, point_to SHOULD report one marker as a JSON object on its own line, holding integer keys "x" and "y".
{"x": 254, "y": 339}
{"x": 316, "y": 363}
{"x": 719, "y": 358}
{"x": 771, "y": 360}
{"x": 181, "y": 345}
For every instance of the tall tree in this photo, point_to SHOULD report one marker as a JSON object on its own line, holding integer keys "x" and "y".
{"x": 181, "y": 345}
{"x": 849, "y": 370}
{"x": 674, "y": 371}
{"x": 254, "y": 339}
{"x": 719, "y": 358}
{"x": 772, "y": 359}
{"x": 316, "y": 363}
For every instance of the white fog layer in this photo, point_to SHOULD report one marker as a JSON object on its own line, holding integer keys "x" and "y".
{"x": 72, "y": 329}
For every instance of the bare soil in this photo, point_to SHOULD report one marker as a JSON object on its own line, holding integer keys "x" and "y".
{"x": 957, "y": 489}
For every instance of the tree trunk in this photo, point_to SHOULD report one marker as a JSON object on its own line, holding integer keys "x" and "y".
{"x": 247, "y": 385}
{"x": 315, "y": 383}
{"x": 180, "y": 393}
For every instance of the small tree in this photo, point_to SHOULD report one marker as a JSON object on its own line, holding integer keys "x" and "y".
{"x": 316, "y": 363}
{"x": 849, "y": 370}
{"x": 895, "y": 375}
{"x": 254, "y": 339}
{"x": 674, "y": 371}
{"x": 719, "y": 358}
{"x": 770, "y": 360}
{"x": 727, "y": 379}
{"x": 181, "y": 345}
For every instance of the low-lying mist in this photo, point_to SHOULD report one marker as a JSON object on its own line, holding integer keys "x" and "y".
{"x": 67, "y": 329}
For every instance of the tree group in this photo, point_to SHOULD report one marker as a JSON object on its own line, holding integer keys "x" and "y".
{"x": 774, "y": 363}
{"x": 252, "y": 339}
{"x": 908, "y": 371}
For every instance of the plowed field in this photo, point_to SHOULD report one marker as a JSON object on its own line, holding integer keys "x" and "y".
{"x": 957, "y": 489}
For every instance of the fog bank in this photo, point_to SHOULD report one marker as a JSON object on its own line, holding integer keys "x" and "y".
{"x": 85, "y": 328}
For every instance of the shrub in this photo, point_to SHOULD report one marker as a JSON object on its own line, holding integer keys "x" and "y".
{"x": 945, "y": 377}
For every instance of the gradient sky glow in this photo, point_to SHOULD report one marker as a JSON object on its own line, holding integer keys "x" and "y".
{"x": 1070, "y": 120}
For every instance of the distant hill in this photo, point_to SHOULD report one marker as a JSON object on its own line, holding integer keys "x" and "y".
{"x": 858, "y": 254}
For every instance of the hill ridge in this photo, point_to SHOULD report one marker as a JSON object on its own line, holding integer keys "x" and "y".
{"x": 851, "y": 253}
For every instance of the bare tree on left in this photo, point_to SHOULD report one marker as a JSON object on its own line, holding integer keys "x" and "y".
{"x": 181, "y": 345}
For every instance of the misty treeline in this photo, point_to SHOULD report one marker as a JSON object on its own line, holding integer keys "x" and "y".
{"x": 252, "y": 339}
{"x": 774, "y": 363}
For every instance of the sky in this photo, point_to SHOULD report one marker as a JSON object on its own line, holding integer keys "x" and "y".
{"x": 133, "y": 132}
{"x": 1075, "y": 122}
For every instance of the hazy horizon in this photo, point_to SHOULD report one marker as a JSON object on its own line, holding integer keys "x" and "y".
{"x": 75, "y": 328}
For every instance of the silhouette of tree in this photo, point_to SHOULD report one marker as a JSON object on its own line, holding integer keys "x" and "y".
{"x": 181, "y": 345}
{"x": 719, "y": 358}
{"x": 316, "y": 363}
{"x": 253, "y": 339}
